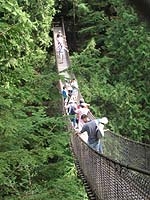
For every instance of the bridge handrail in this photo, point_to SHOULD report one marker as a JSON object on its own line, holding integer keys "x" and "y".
{"x": 125, "y": 153}
{"x": 146, "y": 172}
{"x": 110, "y": 178}
{"x": 91, "y": 116}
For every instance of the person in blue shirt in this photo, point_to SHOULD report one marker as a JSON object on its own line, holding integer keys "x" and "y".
{"x": 65, "y": 95}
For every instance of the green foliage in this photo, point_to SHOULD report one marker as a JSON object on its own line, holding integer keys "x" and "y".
{"x": 44, "y": 171}
{"x": 34, "y": 150}
{"x": 114, "y": 75}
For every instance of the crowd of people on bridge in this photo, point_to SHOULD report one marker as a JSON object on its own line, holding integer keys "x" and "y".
{"x": 76, "y": 108}
{"x": 78, "y": 111}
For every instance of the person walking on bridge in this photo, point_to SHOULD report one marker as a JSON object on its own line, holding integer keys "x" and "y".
{"x": 83, "y": 110}
{"x": 95, "y": 131}
{"x": 61, "y": 47}
{"x": 71, "y": 108}
{"x": 64, "y": 93}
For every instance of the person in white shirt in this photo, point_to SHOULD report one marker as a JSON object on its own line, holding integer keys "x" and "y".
{"x": 60, "y": 46}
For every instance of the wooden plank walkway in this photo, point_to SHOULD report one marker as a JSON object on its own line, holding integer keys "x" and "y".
{"x": 108, "y": 179}
{"x": 61, "y": 66}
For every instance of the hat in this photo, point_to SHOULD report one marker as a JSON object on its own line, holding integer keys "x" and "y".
{"x": 100, "y": 126}
{"x": 103, "y": 120}
{"x": 84, "y": 104}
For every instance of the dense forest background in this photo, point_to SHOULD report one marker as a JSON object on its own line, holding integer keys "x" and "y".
{"x": 112, "y": 64}
{"x": 110, "y": 50}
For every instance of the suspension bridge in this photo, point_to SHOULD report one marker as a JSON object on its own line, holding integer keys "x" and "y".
{"x": 123, "y": 171}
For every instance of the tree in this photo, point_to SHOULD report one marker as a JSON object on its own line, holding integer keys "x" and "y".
{"x": 33, "y": 154}
{"x": 117, "y": 70}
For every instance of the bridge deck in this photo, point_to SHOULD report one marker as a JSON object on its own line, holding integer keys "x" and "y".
{"x": 110, "y": 179}
{"x": 61, "y": 66}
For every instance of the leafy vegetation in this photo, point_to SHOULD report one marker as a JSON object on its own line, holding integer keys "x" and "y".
{"x": 114, "y": 68}
{"x": 35, "y": 161}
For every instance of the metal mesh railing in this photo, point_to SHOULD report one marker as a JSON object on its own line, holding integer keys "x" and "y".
{"x": 109, "y": 179}
{"x": 126, "y": 151}
{"x": 122, "y": 173}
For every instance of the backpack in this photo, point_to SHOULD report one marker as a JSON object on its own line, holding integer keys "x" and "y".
{"x": 100, "y": 131}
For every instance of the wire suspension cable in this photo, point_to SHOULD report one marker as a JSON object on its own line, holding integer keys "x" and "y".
{"x": 122, "y": 172}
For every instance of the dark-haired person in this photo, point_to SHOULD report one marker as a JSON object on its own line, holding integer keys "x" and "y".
{"x": 64, "y": 93}
{"x": 83, "y": 110}
{"x": 95, "y": 130}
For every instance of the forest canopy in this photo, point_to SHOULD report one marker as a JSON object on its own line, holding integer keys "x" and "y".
{"x": 110, "y": 51}
{"x": 112, "y": 65}
{"x": 35, "y": 161}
